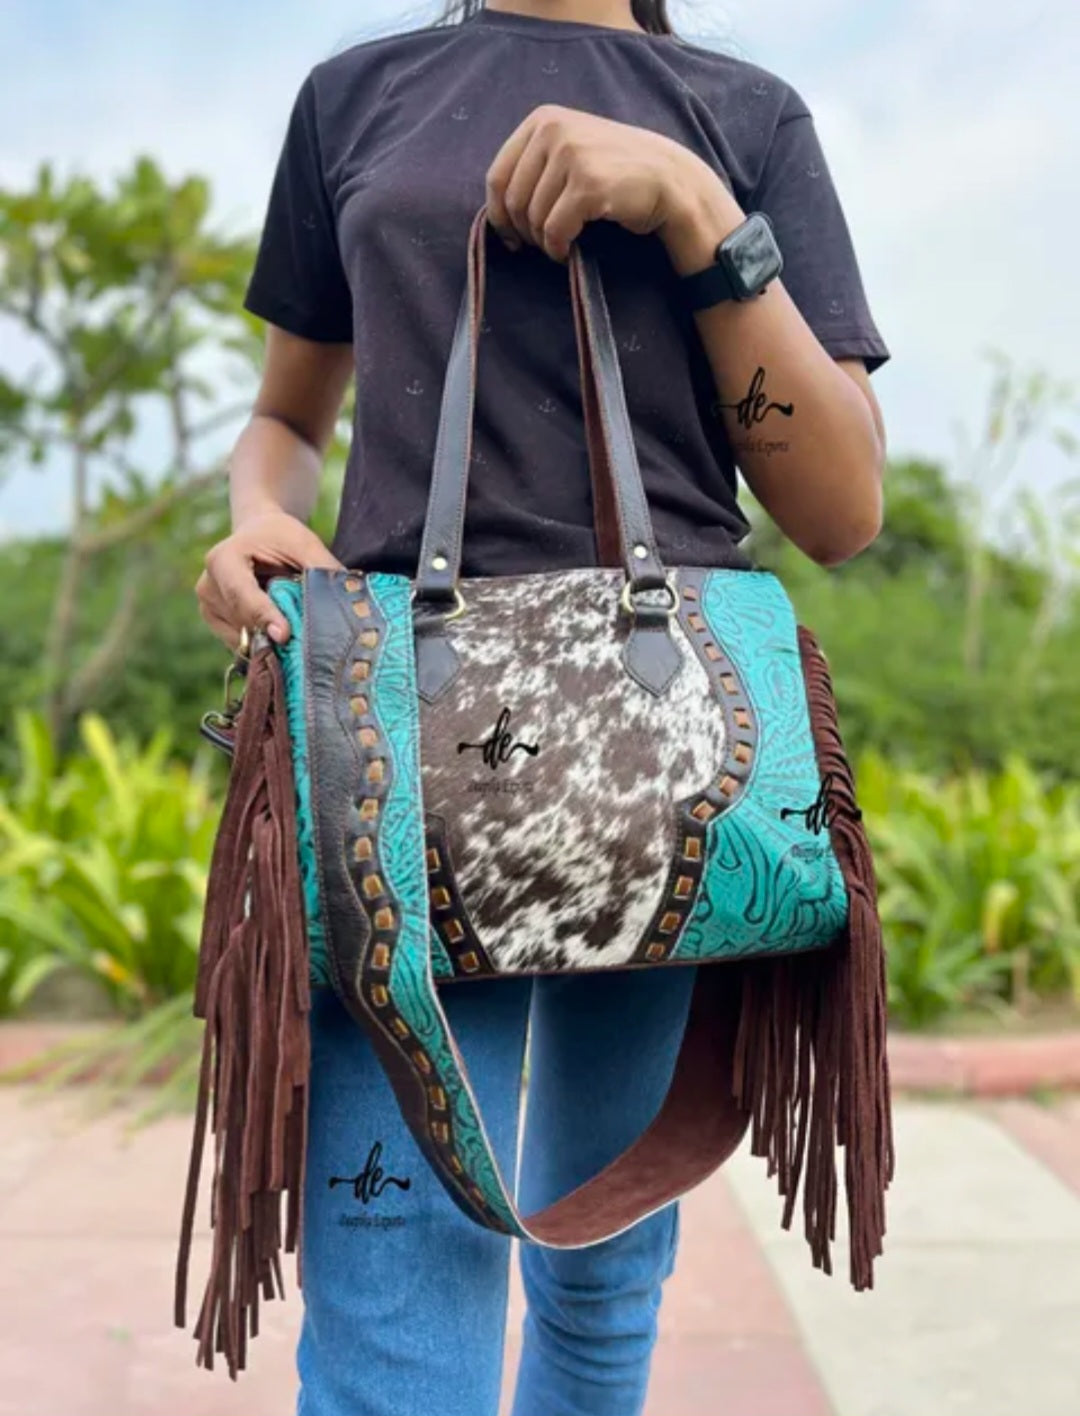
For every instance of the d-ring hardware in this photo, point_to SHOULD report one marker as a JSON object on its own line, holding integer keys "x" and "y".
{"x": 459, "y": 604}
{"x": 669, "y": 584}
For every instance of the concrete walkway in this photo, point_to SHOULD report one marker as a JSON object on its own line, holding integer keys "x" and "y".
{"x": 976, "y": 1307}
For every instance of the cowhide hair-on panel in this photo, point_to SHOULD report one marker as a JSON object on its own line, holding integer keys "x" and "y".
{"x": 556, "y": 774}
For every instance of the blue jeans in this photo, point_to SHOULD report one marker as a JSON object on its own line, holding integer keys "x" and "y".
{"x": 404, "y": 1297}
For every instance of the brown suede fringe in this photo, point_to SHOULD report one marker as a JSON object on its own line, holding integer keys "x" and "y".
{"x": 253, "y": 990}
{"x": 810, "y": 1053}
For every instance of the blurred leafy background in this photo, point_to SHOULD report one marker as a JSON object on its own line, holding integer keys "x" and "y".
{"x": 953, "y": 645}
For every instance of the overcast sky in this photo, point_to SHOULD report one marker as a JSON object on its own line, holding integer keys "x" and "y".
{"x": 950, "y": 126}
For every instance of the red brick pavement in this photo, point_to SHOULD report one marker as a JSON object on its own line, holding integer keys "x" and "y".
{"x": 88, "y": 1229}
{"x": 1050, "y": 1133}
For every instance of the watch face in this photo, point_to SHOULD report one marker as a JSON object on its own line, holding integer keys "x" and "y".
{"x": 753, "y": 256}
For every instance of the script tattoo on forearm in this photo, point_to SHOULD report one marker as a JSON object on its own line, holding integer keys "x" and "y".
{"x": 752, "y": 408}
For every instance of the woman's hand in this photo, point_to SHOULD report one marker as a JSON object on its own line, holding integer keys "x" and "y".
{"x": 229, "y": 594}
{"x": 561, "y": 168}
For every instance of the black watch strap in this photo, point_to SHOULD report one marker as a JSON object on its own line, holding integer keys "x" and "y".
{"x": 708, "y": 286}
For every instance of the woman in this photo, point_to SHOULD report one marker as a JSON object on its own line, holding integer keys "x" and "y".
{"x": 572, "y": 119}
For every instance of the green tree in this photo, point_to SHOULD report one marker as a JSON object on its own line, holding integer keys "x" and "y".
{"x": 998, "y": 514}
{"x": 131, "y": 303}
{"x": 953, "y": 637}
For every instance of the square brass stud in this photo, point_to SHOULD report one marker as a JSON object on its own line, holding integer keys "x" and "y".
{"x": 380, "y": 956}
{"x": 437, "y": 1097}
{"x": 376, "y": 771}
{"x": 373, "y": 886}
{"x": 692, "y": 848}
{"x": 469, "y": 962}
{"x": 422, "y": 1060}
{"x": 401, "y": 1027}
{"x": 384, "y": 918}
{"x": 683, "y": 887}
{"x": 380, "y": 995}
{"x": 454, "y": 930}
{"x": 730, "y": 686}
{"x": 743, "y": 752}
{"x": 695, "y": 621}
{"x": 433, "y": 862}
{"x": 669, "y": 922}
{"x": 711, "y": 652}
{"x": 352, "y": 584}
{"x": 363, "y": 848}
{"x": 360, "y": 670}
{"x": 369, "y": 809}
{"x": 655, "y": 952}
{"x": 704, "y": 811}
{"x": 369, "y": 638}
{"x": 441, "y": 1131}
{"x": 361, "y": 609}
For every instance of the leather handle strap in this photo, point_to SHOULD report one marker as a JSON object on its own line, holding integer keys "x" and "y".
{"x": 623, "y": 523}
{"x": 605, "y": 513}
{"x": 619, "y": 464}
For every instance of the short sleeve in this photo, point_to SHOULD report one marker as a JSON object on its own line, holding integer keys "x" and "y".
{"x": 299, "y": 281}
{"x": 821, "y": 272}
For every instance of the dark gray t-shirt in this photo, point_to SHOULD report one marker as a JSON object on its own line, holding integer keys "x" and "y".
{"x": 381, "y": 173}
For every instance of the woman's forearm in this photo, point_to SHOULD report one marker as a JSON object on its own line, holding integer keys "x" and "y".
{"x": 277, "y": 462}
{"x": 803, "y": 432}
{"x": 272, "y": 468}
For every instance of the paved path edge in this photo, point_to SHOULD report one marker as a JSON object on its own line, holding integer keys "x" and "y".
{"x": 918, "y": 1064}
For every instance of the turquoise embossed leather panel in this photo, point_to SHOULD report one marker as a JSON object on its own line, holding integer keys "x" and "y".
{"x": 771, "y": 883}
{"x": 395, "y": 703}
{"x": 288, "y": 595}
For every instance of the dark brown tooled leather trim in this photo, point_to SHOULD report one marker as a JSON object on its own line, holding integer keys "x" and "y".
{"x": 449, "y": 917}
{"x": 683, "y": 882}
{"x": 351, "y": 770}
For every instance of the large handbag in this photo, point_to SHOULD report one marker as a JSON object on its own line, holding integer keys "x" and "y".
{"x": 620, "y": 766}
